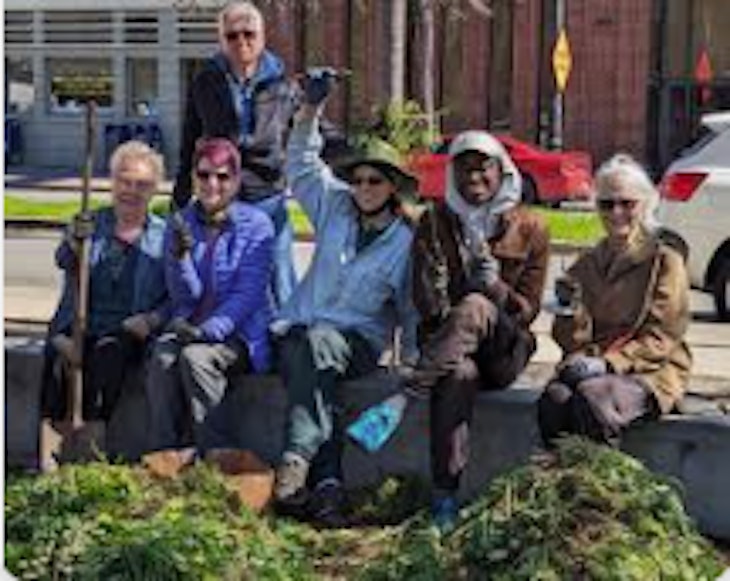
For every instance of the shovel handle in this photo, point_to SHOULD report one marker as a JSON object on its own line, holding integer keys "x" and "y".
{"x": 76, "y": 391}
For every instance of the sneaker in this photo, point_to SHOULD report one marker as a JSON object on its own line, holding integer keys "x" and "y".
{"x": 445, "y": 513}
{"x": 326, "y": 504}
{"x": 290, "y": 488}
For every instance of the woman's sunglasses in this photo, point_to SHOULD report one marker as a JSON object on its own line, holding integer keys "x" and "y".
{"x": 607, "y": 205}
{"x": 370, "y": 180}
{"x": 205, "y": 175}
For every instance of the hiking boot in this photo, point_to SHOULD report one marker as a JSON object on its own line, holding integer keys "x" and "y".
{"x": 326, "y": 504}
{"x": 290, "y": 488}
{"x": 444, "y": 512}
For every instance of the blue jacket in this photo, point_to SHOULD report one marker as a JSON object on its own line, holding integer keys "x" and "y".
{"x": 255, "y": 115}
{"x": 150, "y": 293}
{"x": 238, "y": 275}
{"x": 367, "y": 291}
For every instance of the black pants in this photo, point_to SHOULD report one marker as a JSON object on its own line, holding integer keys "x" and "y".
{"x": 108, "y": 362}
{"x": 599, "y": 408}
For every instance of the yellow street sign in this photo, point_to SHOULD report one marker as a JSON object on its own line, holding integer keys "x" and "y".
{"x": 562, "y": 61}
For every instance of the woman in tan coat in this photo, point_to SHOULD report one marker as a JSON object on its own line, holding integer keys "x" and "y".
{"x": 623, "y": 319}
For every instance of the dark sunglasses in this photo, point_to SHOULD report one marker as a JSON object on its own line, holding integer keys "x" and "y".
{"x": 609, "y": 205}
{"x": 233, "y": 35}
{"x": 370, "y": 180}
{"x": 205, "y": 175}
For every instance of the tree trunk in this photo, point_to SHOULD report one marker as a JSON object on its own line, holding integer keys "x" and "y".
{"x": 429, "y": 57}
{"x": 398, "y": 33}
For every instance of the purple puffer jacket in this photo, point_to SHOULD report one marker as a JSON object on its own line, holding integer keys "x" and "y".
{"x": 231, "y": 278}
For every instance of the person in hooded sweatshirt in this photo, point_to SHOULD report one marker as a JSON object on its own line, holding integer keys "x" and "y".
{"x": 480, "y": 260}
{"x": 242, "y": 94}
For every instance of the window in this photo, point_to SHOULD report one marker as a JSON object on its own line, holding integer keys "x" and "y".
{"x": 74, "y": 82}
{"x": 142, "y": 87}
{"x": 19, "y": 91}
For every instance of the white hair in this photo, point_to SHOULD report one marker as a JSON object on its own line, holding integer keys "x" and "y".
{"x": 243, "y": 8}
{"x": 137, "y": 150}
{"x": 623, "y": 171}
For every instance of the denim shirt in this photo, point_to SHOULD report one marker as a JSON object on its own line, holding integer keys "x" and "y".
{"x": 148, "y": 292}
{"x": 367, "y": 291}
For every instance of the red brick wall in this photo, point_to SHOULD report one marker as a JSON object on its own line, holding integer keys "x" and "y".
{"x": 526, "y": 22}
{"x": 605, "y": 104}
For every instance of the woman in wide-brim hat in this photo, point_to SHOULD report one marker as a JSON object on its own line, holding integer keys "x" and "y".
{"x": 342, "y": 316}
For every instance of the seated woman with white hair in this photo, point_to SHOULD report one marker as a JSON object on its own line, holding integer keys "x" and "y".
{"x": 623, "y": 318}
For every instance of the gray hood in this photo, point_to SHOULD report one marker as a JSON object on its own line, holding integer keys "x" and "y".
{"x": 508, "y": 196}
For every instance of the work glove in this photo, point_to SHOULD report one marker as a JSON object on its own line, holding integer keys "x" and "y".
{"x": 577, "y": 368}
{"x": 317, "y": 84}
{"x": 330, "y": 349}
{"x": 484, "y": 269}
{"x": 82, "y": 227}
{"x": 141, "y": 325}
{"x": 182, "y": 238}
{"x": 186, "y": 332}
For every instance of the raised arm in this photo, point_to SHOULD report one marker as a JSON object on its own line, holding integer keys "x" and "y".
{"x": 311, "y": 180}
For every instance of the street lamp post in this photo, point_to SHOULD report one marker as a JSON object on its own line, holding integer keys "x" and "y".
{"x": 558, "y": 103}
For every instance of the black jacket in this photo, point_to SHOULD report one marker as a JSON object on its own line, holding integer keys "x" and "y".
{"x": 211, "y": 112}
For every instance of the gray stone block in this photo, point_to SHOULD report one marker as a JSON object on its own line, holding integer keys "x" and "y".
{"x": 693, "y": 449}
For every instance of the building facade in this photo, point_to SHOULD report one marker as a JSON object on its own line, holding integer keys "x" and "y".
{"x": 634, "y": 83}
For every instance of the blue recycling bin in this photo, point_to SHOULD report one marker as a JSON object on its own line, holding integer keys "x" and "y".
{"x": 114, "y": 135}
{"x": 13, "y": 141}
{"x": 150, "y": 133}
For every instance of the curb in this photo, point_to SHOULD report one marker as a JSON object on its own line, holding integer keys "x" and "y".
{"x": 556, "y": 247}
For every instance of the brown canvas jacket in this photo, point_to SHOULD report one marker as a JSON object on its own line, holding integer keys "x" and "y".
{"x": 638, "y": 307}
{"x": 521, "y": 246}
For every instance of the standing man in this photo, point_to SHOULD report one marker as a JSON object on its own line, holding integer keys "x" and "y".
{"x": 242, "y": 94}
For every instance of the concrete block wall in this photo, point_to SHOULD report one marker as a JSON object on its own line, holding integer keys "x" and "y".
{"x": 693, "y": 449}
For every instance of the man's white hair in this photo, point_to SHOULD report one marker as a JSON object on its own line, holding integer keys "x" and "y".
{"x": 137, "y": 151}
{"x": 242, "y": 8}
{"x": 623, "y": 171}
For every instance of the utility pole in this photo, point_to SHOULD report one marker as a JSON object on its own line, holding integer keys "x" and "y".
{"x": 558, "y": 100}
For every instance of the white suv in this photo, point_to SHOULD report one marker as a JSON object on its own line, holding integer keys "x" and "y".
{"x": 696, "y": 206}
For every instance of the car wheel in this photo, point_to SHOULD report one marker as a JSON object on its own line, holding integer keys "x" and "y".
{"x": 529, "y": 190}
{"x": 721, "y": 291}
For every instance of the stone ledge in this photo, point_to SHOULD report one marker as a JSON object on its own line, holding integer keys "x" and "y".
{"x": 693, "y": 449}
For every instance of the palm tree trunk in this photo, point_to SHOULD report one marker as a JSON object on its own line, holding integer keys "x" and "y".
{"x": 429, "y": 56}
{"x": 398, "y": 32}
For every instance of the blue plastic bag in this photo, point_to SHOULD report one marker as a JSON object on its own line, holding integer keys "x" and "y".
{"x": 374, "y": 427}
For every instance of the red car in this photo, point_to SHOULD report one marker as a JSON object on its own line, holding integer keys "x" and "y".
{"x": 548, "y": 177}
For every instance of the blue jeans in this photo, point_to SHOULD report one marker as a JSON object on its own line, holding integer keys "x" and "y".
{"x": 284, "y": 277}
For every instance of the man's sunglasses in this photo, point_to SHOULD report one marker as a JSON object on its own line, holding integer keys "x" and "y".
{"x": 370, "y": 180}
{"x": 205, "y": 175}
{"x": 233, "y": 35}
{"x": 607, "y": 205}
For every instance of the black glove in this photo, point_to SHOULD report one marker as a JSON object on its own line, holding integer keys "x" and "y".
{"x": 566, "y": 291}
{"x": 186, "y": 332}
{"x": 578, "y": 368}
{"x": 182, "y": 238}
{"x": 317, "y": 84}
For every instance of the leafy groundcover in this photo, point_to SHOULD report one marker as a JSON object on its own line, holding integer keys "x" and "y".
{"x": 586, "y": 512}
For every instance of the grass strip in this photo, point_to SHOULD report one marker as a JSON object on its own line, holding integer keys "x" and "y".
{"x": 583, "y": 228}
